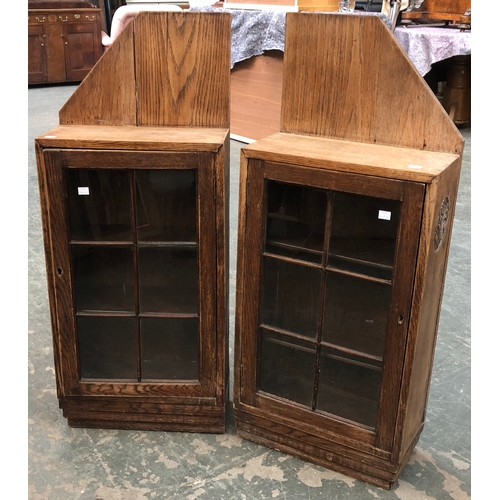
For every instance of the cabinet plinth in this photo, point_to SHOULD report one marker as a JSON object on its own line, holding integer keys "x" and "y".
{"x": 135, "y": 246}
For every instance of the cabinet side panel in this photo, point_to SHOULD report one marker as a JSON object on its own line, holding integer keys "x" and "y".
{"x": 435, "y": 240}
{"x": 240, "y": 268}
{"x": 107, "y": 94}
{"x": 222, "y": 229}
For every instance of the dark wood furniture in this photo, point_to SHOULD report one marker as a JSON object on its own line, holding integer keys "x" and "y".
{"x": 452, "y": 11}
{"x": 64, "y": 40}
{"x": 344, "y": 232}
{"x": 134, "y": 196}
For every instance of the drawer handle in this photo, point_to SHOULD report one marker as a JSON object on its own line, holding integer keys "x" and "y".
{"x": 63, "y": 19}
{"x": 77, "y": 16}
{"x": 40, "y": 20}
{"x": 90, "y": 18}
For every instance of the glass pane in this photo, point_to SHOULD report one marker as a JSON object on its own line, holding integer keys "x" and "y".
{"x": 168, "y": 279}
{"x": 295, "y": 221}
{"x": 290, "y": 298}
{"x": 166, "y": 205}
{"x": 355, "y": 315}
{"x": 287, "y": 367}
{"x": 103, "y": 278}
{"x": 107, "y": 347}
{"x": 349, "y": 388}
{"x": 99, "y": 205}
{"x": 169, "y": 348}
{"x": 364, "y": 231}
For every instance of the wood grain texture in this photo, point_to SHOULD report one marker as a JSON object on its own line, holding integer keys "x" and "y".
{"x": 165, "y": 69}
{"x": 61, "y": 279}
{"x": 130, "y": 138}
{"x": 182, "y": 68}
{"x": 173, "y": 116}
{"x": 154, "y": 405}
{"x": 207, "y": 273}
{"x": 49, "y": 264}
{"x": 107, "y": 95}
{"x": 346, "y": 77}
{"x": 222, "y": 183}
{"x": 429, "y": 285}
{"x": 346, "y": 156}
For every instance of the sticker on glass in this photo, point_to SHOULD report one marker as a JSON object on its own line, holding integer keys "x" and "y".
{"x": 384, "y": 215}
{"x": 82, "y": 191}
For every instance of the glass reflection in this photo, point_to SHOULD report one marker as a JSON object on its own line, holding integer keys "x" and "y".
{"x": 168, "y": 279}
{"x": 287, "y": 367}
{"x": 99, "y": 205}
{"x": 169, "y": 348}
{"x": 107, "y": 347}
{"x": 103, "y": 278}
{"x": 295, "y": 221}
{"x": 166, "y": 205}
{"x": 291, "y": 295}
{"x": 363, "y": 235}
{"x": 355, "y": 314}
{"x": 349, "y": 388}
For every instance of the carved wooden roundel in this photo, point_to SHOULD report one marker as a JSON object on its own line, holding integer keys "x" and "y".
{"x": 442, "y": 223}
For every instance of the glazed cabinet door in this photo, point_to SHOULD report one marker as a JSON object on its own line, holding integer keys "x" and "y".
{"x": 327, "y": 284}
{"x": 133, "y": 257}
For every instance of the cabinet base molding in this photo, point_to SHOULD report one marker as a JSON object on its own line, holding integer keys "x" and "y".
{"x": 375, "y": 470}
{"x": 108, "y": 413}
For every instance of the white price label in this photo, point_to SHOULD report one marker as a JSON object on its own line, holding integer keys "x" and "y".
{"x": 384, "y": 215}
{"x": 82, "y": 191}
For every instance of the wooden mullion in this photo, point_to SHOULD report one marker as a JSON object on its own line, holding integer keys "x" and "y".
{"x": 136, "y": 274}
{"x": 324, "y": 263}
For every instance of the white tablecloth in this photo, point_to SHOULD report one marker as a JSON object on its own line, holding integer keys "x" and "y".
{"x": 426, "y": 45}
{"x": 255, "y": 31}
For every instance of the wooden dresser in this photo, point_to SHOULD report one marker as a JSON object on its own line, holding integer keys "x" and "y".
{"x": 64, "y": 40}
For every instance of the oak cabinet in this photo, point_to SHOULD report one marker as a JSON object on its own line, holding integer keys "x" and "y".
{"x": 344, "y": 232}
{"x": 333, "y": 255}
{"x": 64, "y": 41}
{"x": 134, "y": 202}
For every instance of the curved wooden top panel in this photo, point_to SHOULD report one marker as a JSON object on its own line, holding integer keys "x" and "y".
{"x": 346, "y": 77}
{"x": 165, "y": 69}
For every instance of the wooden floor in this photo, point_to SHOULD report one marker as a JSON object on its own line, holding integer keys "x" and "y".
{"x": 256, "y": 96}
